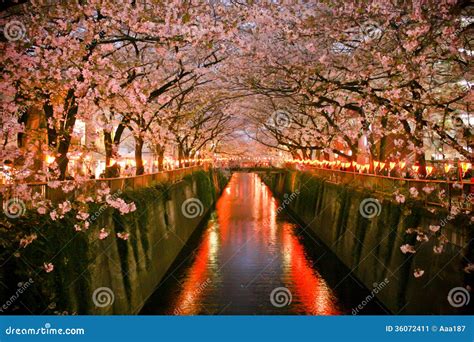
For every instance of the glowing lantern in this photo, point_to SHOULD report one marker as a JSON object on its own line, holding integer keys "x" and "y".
{"x": 429, "y": 169}
{"x": 392, "y": 165}
{"x": 376, "y": 164}
{"x": 401, "y": 164}
{"x": 447, "y": 167}
{"x": 382, "y": 165}
{"x": 465, "y": 166}
{"x": 415, "y": 168}
{"x": 49, "y": 159}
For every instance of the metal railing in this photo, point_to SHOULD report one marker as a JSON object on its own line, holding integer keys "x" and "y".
{"x": 115, "y": 184}
{"x": 444, "y": 191}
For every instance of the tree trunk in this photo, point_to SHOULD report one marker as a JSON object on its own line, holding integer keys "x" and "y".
{"x": 382, "y": 153}
{"x": 420, "y": 157}
{"x": 161, "y": 158}
{"x": 65, "y": 140}
{"x": 111, "y": 146}
{"x": 108, "y": 148}
{"x": 52, "y": 134}
{"x": 180, "y": 155}
{"x": 138, "y": 156}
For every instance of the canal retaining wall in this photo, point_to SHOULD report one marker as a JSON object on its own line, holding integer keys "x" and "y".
{"x": 108, "y": 275}
{"x": 435, "y": 279}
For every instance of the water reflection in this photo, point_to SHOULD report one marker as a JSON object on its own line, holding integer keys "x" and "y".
{"x": 245, "y": 252}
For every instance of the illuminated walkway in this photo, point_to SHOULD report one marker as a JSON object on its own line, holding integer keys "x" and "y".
{"x": 248, "y": 260}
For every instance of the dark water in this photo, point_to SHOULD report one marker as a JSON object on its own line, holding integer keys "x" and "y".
{"x": 249, "y": 260}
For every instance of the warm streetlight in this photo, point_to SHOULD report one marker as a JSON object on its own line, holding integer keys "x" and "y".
{"x": 464, "y": 167}
{"x": 49, "y": 159}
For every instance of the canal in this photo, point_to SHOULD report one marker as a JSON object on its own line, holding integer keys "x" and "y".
{"x": 249, "y": 259}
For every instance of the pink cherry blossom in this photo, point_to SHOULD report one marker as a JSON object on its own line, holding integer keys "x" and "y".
{"x": 407, "y": 249}
{"x": 400, "y": 198}
{"x": 41, "y": 210}
{"x": 103, "y": 234}
{"x": 413, "y": 192}
{"x": 123, "y": 236}
{"x": 48, "y": 267}
{"x": 428, "y": 189}
{"x": 469, "y": 268}
{"x": 422, "y": 237}
{"x": 27, "y": 240}
{"x": 418, "y": 272}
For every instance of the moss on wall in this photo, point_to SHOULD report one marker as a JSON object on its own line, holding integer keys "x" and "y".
{"x": 84, "y": 263}
{"x": 370, "y": 247}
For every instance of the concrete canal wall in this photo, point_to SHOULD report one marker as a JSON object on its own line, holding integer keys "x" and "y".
{"x": 370, "y": 247}
{"x": 110, "y": 275}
